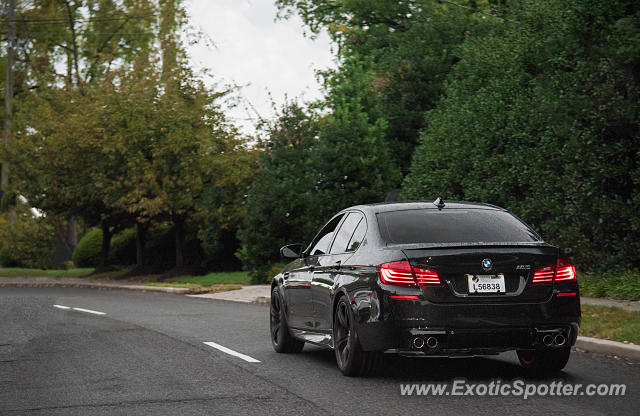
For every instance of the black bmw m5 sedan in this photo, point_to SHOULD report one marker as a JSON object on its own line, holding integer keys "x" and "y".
{"x": 427, "y": 279}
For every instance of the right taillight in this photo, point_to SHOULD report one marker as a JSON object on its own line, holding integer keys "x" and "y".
{"x": 562, "y": 271}
{"x": 401, "y": 273}
{"x": 565, "y": 271}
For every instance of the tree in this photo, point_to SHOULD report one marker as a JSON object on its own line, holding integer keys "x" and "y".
{"x": 279, "y": 199}
{"x": 127, "y": 135}
{"x": 314, "y": 166}
{"x": 541, "y": 116}
{"x": 92, "y": 38}
{"x": 352, "y": 161}
{"x": 222, "y": 208}
{"x": 408, "y": 47}
{"x": 61, "y": 164}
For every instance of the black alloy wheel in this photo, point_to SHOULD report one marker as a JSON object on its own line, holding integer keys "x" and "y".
{"x": 281, "y": 338}
{"x": 351, "y": 360}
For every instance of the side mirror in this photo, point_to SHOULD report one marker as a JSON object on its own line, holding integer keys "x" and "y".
{"x": 291, "y": 251}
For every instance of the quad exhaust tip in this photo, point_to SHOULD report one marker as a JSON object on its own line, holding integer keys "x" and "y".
{"x": 432, "y": 342}
{"x": 559, "y": 340}
{"x": 419, "y": 343}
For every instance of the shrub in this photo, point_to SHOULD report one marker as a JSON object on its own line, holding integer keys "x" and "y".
{"x": 159, "y": 248}
{"x": 29, "y": 242}
{"x": 274, "y": 270}
{"x": 122, "y": 252}
{"x": 123, "y": 247}
{"x": 87, "y": 251}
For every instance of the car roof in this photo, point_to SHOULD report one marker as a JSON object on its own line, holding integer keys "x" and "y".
{"x": 407, "y": 205}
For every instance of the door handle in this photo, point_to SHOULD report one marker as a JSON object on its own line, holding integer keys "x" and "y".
{"x": 337, "y": 264}
{"x": 311, "y": 268}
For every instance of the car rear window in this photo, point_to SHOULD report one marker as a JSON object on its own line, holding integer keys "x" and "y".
{"x": 453, "y": 226}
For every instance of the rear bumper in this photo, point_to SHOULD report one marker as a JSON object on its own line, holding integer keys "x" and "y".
{"x": 468, "y": 328}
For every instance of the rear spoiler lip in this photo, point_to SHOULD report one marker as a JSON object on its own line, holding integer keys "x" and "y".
{"x": 419, "y": 246}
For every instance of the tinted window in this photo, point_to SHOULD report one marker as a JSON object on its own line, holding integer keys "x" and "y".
{"x": 453, "y": 226}
{"x": 358, "y": 236}
{"x": 345, "y": 232}
{"x": 324, "y": 237}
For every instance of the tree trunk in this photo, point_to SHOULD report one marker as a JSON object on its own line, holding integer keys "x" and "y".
{"x": 179, "y": 227}
{"x": 8, "y": 93}
{"x": 106, "y": 245}
{"x": 141, "y": 241}
{"x": 72, "y": 233}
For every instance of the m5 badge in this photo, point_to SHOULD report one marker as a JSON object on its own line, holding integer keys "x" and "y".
{"x": 523, "y": 267}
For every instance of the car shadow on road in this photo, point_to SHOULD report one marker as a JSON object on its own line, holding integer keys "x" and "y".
{"x": 394, "y": 367}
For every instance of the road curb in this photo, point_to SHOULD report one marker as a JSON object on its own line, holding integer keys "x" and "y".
{"x": 172, "y": 290}
{"x": 607, "y": 347}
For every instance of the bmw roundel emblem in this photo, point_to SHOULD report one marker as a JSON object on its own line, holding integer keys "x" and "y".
{"x": 487, "y": 264}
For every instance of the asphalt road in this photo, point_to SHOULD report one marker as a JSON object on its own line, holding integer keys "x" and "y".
{"x": 147, "y": 355}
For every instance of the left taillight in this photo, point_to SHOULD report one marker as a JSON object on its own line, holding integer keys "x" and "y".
{"x": 401, "y": 273}
{"x": 562, "y": 271}
{"x": 544, "y": 274}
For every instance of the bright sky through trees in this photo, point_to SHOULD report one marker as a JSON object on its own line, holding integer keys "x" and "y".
{"x": 250, "y": 49}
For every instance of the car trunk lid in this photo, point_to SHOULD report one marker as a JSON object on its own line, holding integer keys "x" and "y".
{"x": 514, "y": 264}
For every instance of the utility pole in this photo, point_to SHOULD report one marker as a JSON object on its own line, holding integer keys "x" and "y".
{"x": 8, "y": 92}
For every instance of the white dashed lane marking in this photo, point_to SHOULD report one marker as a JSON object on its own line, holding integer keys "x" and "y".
{"x": 89, "y": 311}
{"x": 66, "y": 308}
{"x": 232, "y": 352}
{"x": 211, "y": 344}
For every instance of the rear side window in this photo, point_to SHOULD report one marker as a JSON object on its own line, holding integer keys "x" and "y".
{"x": 345, "y": 232}
{"x": 358, "y": 236}
{"x": 453, "y": 226}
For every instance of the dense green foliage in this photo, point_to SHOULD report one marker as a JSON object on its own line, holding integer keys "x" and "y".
{"x": 314, "y": 166}
{"x": 279, "y": 198}
{"x": 159, "y": 252}
{"x": 407, "y": 49}
{"x": 621, "y": 285}
{"x": 26, "y": 239}
{"x": 128, "y": 136}
{"x": 541, "y": 117}
{"x": 87, "y": 252}
{"x": 532, "y": 105}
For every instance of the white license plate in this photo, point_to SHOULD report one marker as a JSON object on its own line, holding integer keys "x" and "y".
{"x": 486, "y": 283}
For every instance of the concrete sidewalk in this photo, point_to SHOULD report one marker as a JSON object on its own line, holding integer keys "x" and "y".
{"x": 629, "y": 305}
{"x": 248, "y": 294}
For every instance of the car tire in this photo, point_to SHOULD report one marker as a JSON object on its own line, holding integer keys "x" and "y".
{"x": 544, "y": 361}
{"x": 281, "y": 338}
{"x": 351, "y": 359}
